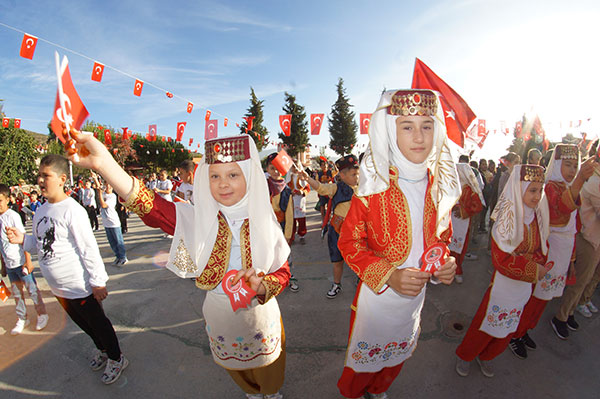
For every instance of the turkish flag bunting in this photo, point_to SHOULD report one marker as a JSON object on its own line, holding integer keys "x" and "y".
{"x": 152, "y": 132}
{"x": 316, "y": 121}
{"x": 107, "y": 138}
{"x": 225, "y": 122}
{"x": 137, "y": 88}
{"x": 5, "y": 122}
{"x": 481, "y": 127}
{"x": 97, "y": 72}
{"x": 191, "y": 141}
{"x": 180, "y": 129}
{"x": 198, "y": 145}
{"x": 134, "y": 137}
{"x": 283, "y": 162}
{"x": 169, "y": 94}
{"x": 125, "y": 133}
{"x": 163, "y": 138}
{"x": 483, "y": 137}
{"x": 211, "y": 128}
{"x": 76, "y": 113}
{"x": 285, "y": 122}
{"x": 365, "y": 121}
{"x": 17, "y": 123}
{"x": 190, "y": 107}
{"x": 207, "y": 116}
{"x": 248, "y": 120}
{"x": 457, "y": 113}
{"x": 28, "y": 46}
{"x": 170, "y": 139}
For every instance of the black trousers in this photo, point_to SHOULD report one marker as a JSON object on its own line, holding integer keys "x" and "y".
{"x": 88, "y": 314}
{"x": 91, "y": 211}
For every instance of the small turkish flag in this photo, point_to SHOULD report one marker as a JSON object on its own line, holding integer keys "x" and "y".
{"x": 481, "y": 127}
{"x": 248, "y": 120}
{"x": 169, "y": 94}
{"x": 283, "y": 162}
{"x": 17, "y": 123}
{"x": 28, "y": 46}
{"x": 97, "y": 72}
{"x": 211, "y": 128}
{"x": 137, "y": 88}
{"x": 207, "y": 116}
{"x": 191, "y": 141}
{"x": 198, "y": 145}
{"x": 125, "y": 133}
{"x": 285, "y": 122}
{"x": 180, "y": 129}
{"x": 5, "y": 122}
{"x": 107, "y": 138}
{"x": 134, "y": 137}
{"x": 190, "y": 107}
{"x": 163, "y": 138}
{"x": 152, "y": 132}
{"x": 483, "y": 137}
{"x": 225, "y": 122}
{"x": 172, "y": 149}
{"x": 76, "y": 113}
{"x": 316, "y": 120}
{"x": 365, "y": 121}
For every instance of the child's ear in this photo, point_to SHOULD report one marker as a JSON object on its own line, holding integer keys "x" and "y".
{"x": 63, "y": 179}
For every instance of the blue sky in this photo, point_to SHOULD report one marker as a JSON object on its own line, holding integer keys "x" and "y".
{"x": 504, "y": 57}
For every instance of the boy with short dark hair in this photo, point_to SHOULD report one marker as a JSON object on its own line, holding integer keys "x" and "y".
{"x": 185, "y": 189}
{"x": 70, "y": 261}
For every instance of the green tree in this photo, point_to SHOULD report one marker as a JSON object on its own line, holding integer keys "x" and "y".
{"x": 342, "y": 127}
{"x": 259, "y": 133}
{"x": 297, "y": 141}
{"x": 19, "y": 155}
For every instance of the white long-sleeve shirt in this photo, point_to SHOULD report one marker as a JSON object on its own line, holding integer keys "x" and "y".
{"x": 67, "y": 250}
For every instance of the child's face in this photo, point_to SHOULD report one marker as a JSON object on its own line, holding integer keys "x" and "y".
{"x": 273, "y": 172}
{"x": 187, "y": 176}
{"x": 533, "y": 194}
{"x": 108, "y": 189}
{"x": 33, "y": 197}
{"x": 88, "y": 184}
{"x": 414, "y": 137}
{"x": 51, "y": 184}
{"x": 3, "y": 203}
{"x": 349, "y": 176}
{"x": 163, "y": 176}
{"x": 568, "y": 169}
{"x": 227, "y": 183}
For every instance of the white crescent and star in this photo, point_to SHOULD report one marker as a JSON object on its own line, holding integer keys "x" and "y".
{"x": 450, "y": 114}
{"x": 138, "y": 86}
{"x": 29, "y": 42}
{"x": 98, "y": 70}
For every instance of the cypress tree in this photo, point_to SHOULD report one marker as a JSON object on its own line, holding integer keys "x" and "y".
{"x": 297, "y": 141}
{"x": 259, "y": 133}
{"x": 342, "y": 126}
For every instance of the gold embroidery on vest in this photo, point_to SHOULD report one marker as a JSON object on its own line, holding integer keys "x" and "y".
{"x": 219, "y": 258}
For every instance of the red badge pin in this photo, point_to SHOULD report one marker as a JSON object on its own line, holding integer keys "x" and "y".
{"x": 433, "y": 257}
{"x": 240, "y": 295}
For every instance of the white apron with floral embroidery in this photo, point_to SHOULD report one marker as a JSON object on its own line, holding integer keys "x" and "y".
{"x": 460, "y": 227}
{"x": 560, "y": 248}
{"x": 245, "y": 339}
{"x": 299, "y": 206}
{"x": 385, "y": 329}
{"x": 505, "y": 306}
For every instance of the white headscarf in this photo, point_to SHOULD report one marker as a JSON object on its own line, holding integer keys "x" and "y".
{"x": 554, "y": 171}
{"x": 510, "y": 214}
{"x": 467, "y": 177}
{"x": 197, "y": 225}
{"x": 383, "y": 152}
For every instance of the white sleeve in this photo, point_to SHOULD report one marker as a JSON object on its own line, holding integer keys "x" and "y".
{"x": 83, "y": 236}
{"x": 18, "y": 223}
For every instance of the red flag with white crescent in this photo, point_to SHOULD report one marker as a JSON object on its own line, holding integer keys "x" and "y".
{"x": 211, "y": 129}
{"x": 365, "y": 121}
{"x": 248, "y": 120}
{"x": 28, "y": 46}
{"x": 180, "y": 129}
{"x": 190, "y": 107}
{"x": 316, "y": 121}
{"x": 191, "y": 141}
{"x": 137, "y": 88}
{"x": 482, "y": 139}
{"x": 5, "y": 122}
{"x": 134, "y": 137}
{"x": 76, "y": 113}
{"x": 17, "y": 123}
{"x": 163, "y": 139}
{"x": 283, "y": 162}
{"x": 225, "y": 122}
{"x": 97, "y": 72}
{"x": 152, "y": 132}
{"x": 481, "y": 131}
{"x": 125, "y": 133}
{"x": 285, "y": 122}
{"x": 107, "y": 138}
{"x": 207, "y": 116}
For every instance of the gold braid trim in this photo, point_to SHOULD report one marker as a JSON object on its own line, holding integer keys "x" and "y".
{"x": 377, "y": 274}
{"x": 219, "y": 258}
{"x": 245, "y": 245}
{"x": 272, "y": 287}
{"x": 140, "y": 200}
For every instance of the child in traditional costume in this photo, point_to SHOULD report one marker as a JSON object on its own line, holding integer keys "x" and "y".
{"x": 339, "y": 195}
{"x": 300, "y": 189}
{"x": 408, "y": 186}
{"x": 471, "y": 202}
{"x": 231, "y": 226}
{"x": 519, "y": 251}
{"x": 563, "y": 185}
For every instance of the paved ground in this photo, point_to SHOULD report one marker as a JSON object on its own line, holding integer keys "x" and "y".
{"x": 159, "y": 322}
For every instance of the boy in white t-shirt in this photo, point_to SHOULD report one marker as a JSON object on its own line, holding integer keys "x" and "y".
{"x": 70, "y": 261}
{"x": 164, "y": 186}
{"x": 186, "y": 188}
{"x": 16, "y": 263}
{"x": 111, "y": 222}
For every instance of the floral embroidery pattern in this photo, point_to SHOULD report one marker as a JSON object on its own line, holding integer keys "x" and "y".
{"x": 365, "y": 353}
{"x": 243, "y": 348}
{"x": 502, "y": 317}
{"x": 552, "y": 283}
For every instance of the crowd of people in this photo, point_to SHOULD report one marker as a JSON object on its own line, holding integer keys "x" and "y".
{"x": 401, "y": 215}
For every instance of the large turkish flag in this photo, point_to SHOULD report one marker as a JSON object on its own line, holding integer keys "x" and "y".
{"x": 316, "y": 121}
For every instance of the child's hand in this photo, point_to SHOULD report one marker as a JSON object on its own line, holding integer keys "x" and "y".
{"x": 541, "y": 271}
{"x": 14, "y": 235}
{"x": 254, "y": 281}
{"x": 92, "y": 153}
{"x": 587, "y": 169}
{"x": 100, "y": 293}
{"x": 447, "y": 271}
{"x": 409, "y": 281}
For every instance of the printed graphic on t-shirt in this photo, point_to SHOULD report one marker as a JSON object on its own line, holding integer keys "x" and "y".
{"x": 48, "y": 227}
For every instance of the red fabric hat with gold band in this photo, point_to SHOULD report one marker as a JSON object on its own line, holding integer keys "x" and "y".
{"x": 348, "y": 161}
{"x": 532, "y": 173}
{"x": 566, "y": 151}
{"x": 413, "y": 103}
{"x": 227, "y": 149}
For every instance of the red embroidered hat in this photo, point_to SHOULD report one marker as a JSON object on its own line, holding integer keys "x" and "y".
{"x": 532, "y": 173}
{"x": 413, "y": 103}
{"x": 566, "y": 151}
{"x": 227, "y": 149}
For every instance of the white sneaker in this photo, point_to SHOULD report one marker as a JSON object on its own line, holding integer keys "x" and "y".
{"x": 122, "y": 262}
{"x": 19, "y": 327}
{"x": 485, "y": 367}
{"x": 113, "y": 370}
{"x": 254, "y": 396}
{"x": 334, "y": 291}
{"x": 584, "y": 311}
{"x": 42, "y": 321}
{"x": 377, "y": 395}
{"x": 274, "y": 396}
{"x": 462, "y": 367}
{"x": 458, "y": 278}
{"x": 591, "y": 307}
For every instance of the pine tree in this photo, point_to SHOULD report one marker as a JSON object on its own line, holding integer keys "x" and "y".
{"x": 342, "y": 127}
{"x": 297, "y": 141}
{"x": 18, "y": 155}
{"x": 259, "y": 133}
